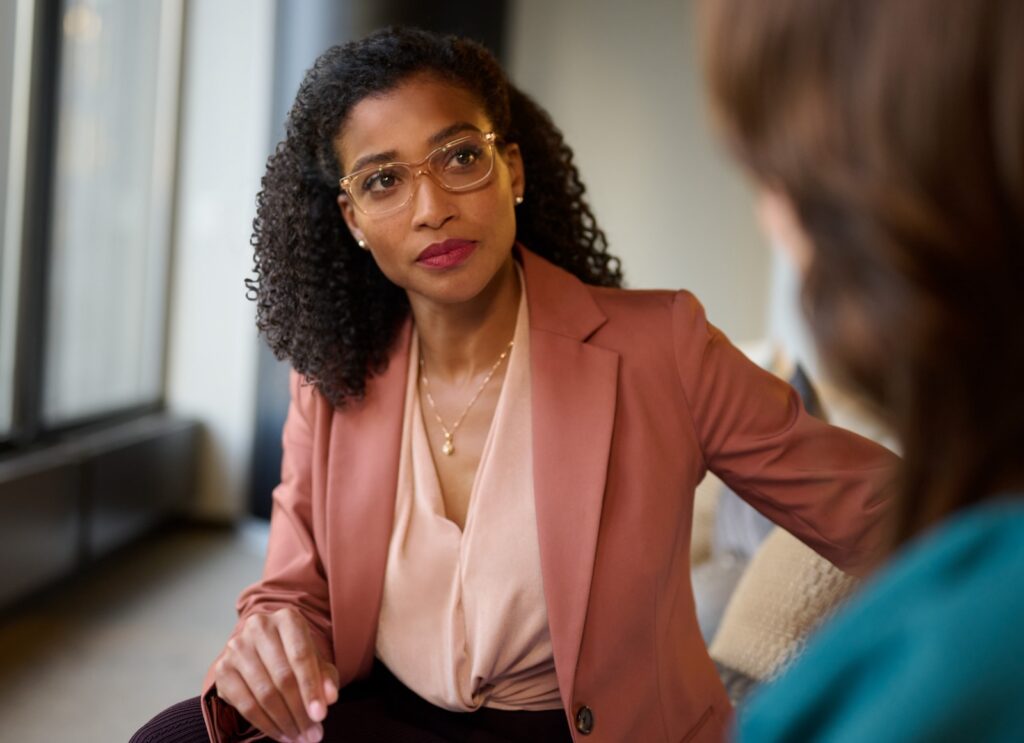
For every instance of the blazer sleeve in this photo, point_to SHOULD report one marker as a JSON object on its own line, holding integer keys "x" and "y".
{"x": 827, "y": 486}
{"x": 293, "y": 574}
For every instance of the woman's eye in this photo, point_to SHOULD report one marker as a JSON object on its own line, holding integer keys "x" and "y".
{"x": 381, "y": 181}
{"x": 463, "y": 157}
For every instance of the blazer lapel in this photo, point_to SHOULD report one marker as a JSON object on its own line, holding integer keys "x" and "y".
{"x": 361, "y": 488}
{"x": 574, "y": 394}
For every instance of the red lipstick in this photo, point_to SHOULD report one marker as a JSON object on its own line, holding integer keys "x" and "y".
{"x": 446, "y": 254}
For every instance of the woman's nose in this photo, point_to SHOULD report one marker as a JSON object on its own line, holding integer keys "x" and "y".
{"x": 432, "y": 205}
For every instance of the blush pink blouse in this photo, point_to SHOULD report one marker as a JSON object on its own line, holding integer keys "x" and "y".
{"x": 463, "y": 621}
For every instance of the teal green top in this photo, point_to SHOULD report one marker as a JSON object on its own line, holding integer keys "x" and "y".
{"x": 932, "y": 649}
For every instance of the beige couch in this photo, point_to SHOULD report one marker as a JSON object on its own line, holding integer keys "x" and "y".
{"x": 784, "y": 593}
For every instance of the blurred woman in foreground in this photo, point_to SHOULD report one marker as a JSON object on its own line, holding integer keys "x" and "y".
{"x": 887, "y": 141}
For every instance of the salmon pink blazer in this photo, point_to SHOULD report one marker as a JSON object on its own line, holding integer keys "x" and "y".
{"x": 635, "y": 396}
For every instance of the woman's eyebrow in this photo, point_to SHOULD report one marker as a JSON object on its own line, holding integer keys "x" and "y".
{"x": 378, "y": 158}
{"x": 438, "y": 138}
{"x": 460, "y": 126}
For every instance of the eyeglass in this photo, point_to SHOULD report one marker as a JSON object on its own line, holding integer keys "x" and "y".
{"x": 459, "y": 165}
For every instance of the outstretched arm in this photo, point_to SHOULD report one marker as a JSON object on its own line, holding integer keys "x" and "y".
{"x": 827, "y": 486}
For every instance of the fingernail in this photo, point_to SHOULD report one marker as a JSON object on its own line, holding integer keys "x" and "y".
{"x": 317, "y": 711}
{"x": 330, "y": 690}
{"x": 315, "y": 734}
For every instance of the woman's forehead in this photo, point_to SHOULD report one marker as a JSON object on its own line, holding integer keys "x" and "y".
{"x": 406, "y": 120}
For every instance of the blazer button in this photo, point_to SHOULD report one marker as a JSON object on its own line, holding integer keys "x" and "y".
{"x": 584, "y": 720}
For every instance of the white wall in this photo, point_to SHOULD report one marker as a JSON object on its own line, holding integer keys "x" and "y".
{"x": 622, "y": 81}
{"x": 211, "y": 372}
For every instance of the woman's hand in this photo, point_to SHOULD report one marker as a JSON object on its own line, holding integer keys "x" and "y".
{"x": 273, "y": 675}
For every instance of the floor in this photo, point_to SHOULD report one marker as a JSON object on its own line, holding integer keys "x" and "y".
{"x": 95, "y": 659}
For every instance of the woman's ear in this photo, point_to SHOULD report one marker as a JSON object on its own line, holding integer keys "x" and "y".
{"x": 517, "y": 172}
{"x": 348, "y": 213}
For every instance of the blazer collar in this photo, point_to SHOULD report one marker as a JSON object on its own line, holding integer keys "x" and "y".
{"x": 559, "y": 302}
{"x": 362, "y": 469}
{"x": 574, "y": 391}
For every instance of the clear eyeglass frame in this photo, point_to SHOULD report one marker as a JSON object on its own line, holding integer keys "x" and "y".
{"x": 416, "y": 169}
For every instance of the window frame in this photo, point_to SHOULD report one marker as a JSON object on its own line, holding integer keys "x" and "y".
{"x": 14, "y": 201}
{"x": 28, "y": 429}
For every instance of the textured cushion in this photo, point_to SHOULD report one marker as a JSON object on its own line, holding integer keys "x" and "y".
{"x": 786, "y": 591}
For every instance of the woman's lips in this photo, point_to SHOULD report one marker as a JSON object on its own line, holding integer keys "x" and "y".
{"x": 446, "y": 254}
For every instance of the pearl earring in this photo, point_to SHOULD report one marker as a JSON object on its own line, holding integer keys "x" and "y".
{"x": 519, "y": 200}
{"x": 361, "y": 244}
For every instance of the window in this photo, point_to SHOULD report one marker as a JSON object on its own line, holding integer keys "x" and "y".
{"x": 15, "y": 61}
{"x": 111, "y": 207}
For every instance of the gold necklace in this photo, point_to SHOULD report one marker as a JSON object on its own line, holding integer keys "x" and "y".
{"x": 449, "y": 434}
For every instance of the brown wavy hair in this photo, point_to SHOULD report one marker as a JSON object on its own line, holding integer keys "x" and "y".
{"x": 321, "y": 301}
{"x": 896, "y": 130}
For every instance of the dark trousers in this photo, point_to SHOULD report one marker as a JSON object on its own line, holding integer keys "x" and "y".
{"x": 382, "y": 710}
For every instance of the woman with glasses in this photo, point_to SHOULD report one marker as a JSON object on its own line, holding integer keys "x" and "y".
{"x": 482, "y": 529}
{"x": 887, "y": 141}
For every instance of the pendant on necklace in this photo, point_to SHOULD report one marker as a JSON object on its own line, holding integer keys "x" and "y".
{"x": 449, "y": 447}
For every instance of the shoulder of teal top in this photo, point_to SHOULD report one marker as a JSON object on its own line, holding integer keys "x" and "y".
{"x": 931, "y": 649}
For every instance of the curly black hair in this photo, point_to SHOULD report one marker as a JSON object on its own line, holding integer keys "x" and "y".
{"x": 321, "y": 301}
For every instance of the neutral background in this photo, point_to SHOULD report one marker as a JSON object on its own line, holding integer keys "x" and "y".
{"x": 622, "y": 80}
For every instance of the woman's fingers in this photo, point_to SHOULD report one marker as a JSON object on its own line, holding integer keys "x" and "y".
{"x": 275, "y": 677}
{"x": 286, "y": 682}
{"x": 305, "y": 663}
{"x": 330, "y": 676}
{"x": 255, "y": 668}
{"x": 231, "y": 687}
